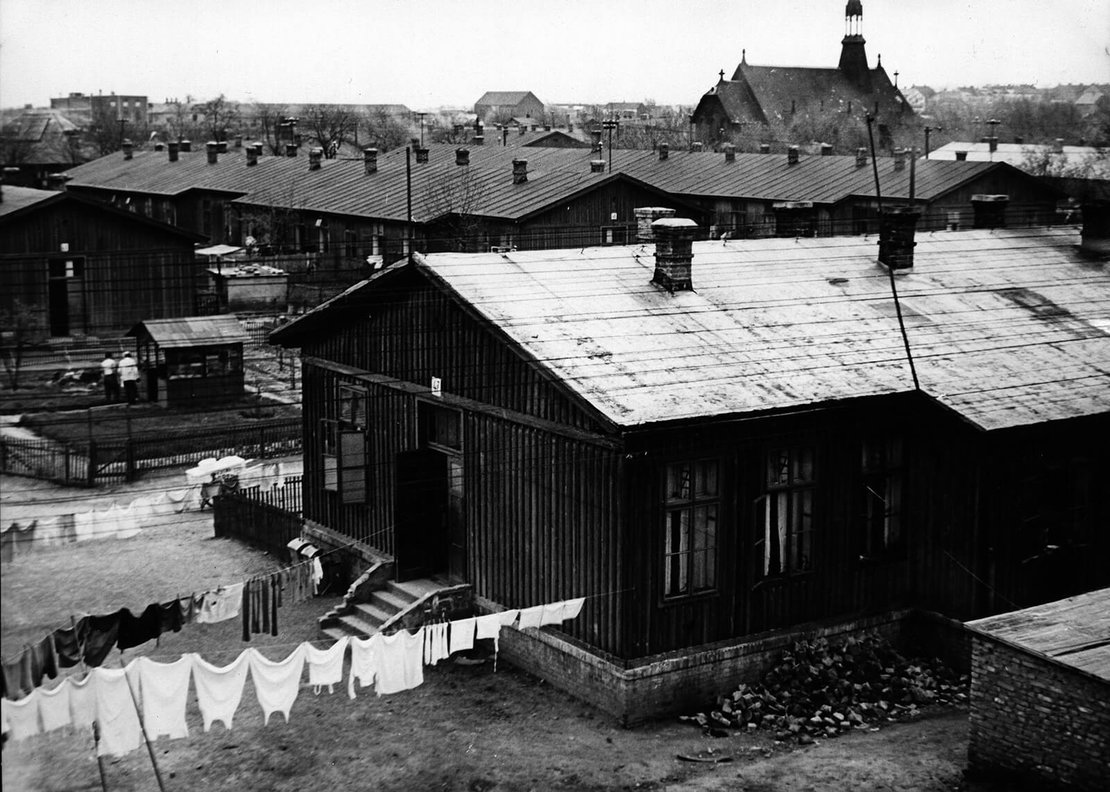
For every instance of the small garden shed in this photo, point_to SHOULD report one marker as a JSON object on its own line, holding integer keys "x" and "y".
{"x": 195, "y": 360}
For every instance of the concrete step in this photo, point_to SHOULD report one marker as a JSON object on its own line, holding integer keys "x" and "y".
{"x": 409, "y": 591}
{"x": 373, "y": 613}
{"x": 335, "y": 633}
{"x": 390, "y": 600}
{"x": 353, "y": 625}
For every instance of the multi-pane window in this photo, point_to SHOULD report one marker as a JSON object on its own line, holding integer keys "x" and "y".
{"x": 439, "y": 427}
{"x": 352, "y": 408}
{"x": 883, "y": 483}
{"x": 692, "y": 504}
{"x": 788, "y": 511}
{"x": 343, "y": 446}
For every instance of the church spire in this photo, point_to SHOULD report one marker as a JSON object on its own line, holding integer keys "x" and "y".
{"x": 853, "y": 58}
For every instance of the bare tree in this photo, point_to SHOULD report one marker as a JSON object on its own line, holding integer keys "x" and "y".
{"x": 382, "y": 130}
{"x": 331, "y": 126}
{"x": 450, "y": 202}
{"x": 220, "y": 115}
{"x": 267, "y": 126}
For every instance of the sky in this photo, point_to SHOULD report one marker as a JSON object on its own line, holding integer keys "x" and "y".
{"x": 432, "y": 53}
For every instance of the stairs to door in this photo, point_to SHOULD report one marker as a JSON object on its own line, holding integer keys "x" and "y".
{"x": 385, "y": 606}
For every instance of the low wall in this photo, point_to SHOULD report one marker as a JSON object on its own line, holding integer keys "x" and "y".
{"x": 1035, "y": 718}
{"x": 685, "y": 681}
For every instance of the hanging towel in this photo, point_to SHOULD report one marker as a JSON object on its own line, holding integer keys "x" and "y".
{"x": 69, "y": 643}
{"x": 364, "y": 659}
{"x": 276, "y": 682}
{"x": 462, "y": 635}
{"x": 120, "y": 733}
{"x": 508, "y": 617}
{"x": 137, "y": 630}
{"x": 488, "y": 627}
{"x": 219, "y": 689}
{"x": 317, "y": 575}
{"x": 571, "y": 608}
{"x": 54, "y": 706}
{"x": 530, "y": 617}
{"x": 400, "y": 662}
{"x": 22, "y": 716}
{"x": 325, "y": 666}
{"x": 165, "y": 688}
{"x": 220, "y": 605}
{"x": 100, "y": 637}
{"x": 552, "y": 614}
{"x": 82, "y": 700}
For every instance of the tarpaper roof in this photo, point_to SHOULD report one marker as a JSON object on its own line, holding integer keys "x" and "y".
{"x": 1074, "y": 631}
{"x": 1007, "y": 327}
{"x": 17, "y": 198}
{"x": 192, "y": 331}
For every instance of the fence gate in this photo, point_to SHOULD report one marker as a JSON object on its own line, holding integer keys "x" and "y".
{"x": 111, "y": 459}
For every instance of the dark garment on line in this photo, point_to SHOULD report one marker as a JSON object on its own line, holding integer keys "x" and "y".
{"x": 171, "y": 619}
{"x": 103, "y": 632}
{"x": 16, "y": 676}
{"x": 137, "y": 630}
{"x": 44, "y": 660}
{"x": 188, "y": 609}
{"x": 69, "y": 643}
{"x": 275, "y": 601}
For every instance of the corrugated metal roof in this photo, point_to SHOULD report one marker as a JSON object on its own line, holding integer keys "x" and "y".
{"x": 1074, "y": 631}
{"x": 192, "y": 331}
{"x": 17, "y": 198}
{"x": 1011, "y": 327}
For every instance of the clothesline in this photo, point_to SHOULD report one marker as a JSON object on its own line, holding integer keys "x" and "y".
{"x": 113, "y": 698}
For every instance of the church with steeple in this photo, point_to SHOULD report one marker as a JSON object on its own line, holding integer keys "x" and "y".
{"x": 758, "y": 96}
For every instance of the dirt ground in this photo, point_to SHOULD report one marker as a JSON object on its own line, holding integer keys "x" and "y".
{"x": 466, "y": 728}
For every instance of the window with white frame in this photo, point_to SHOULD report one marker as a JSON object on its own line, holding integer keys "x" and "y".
{"x": 691, "y": 508}
{"x": 787, "y": 539}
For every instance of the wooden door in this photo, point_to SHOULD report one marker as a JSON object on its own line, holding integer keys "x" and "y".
{"x": 420, "y": 516}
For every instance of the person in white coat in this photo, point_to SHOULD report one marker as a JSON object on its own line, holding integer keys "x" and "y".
{"x": 129, "y": 377}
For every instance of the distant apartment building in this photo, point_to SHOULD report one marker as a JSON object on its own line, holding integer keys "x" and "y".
{"x": 131, "y": 108}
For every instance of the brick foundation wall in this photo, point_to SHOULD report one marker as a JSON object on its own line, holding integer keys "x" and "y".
{"x": 1037, "y": 718}
{"x": 675, "y": 683}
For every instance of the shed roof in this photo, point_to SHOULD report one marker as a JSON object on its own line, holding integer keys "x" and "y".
{"x": 1074, "y": 631}
{"x": 18, "y": 198}
{"x": 190, "y": 331}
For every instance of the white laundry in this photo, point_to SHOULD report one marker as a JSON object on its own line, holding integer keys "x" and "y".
{"x": 22, "y": 717}
{"x": 571, "y": 608}
{"x": 165, "y": 689}
{"x": 462, "y": 635}
{"x": 82, "y": 701}
{"x": 552, "y": 614}
{"x": 530, "y": 617}
{"x": 120, "y": 732}
{"x": 435, "y": 643}
{"x": 325, "y": 666}
{"x": 220, "y": 605}
{"x": 276, "y": 682}
{"x": 364, "y": 659}
{"x": 400, "y": 661}
{"x": 219, "y": 689}
{"x": 54, "y": 706}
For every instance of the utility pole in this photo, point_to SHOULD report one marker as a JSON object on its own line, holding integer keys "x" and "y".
{"x": 408, "y": 189}
{"x": 610, "y": 124}
{"x": 929, "y": 129}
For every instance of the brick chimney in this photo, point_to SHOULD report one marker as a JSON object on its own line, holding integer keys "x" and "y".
{"x": 172, "y": 148}
{"x": 990, "y": 210}
{"x": 664, "y": 151}
{"x": 899, "y": 159}
{"x": 315, "y": 158}
{"x": 696, "y": 146}
{"x": 238, "y": 141}
{"x": 462, "y": 156}
{"x": 128, "y": 147}
{"x": 645, "y": 216}
{"x": 674, "y": 254}
{"x": 369, "y": 160}
{"x": 186, "y": 146}
{"x": 1058, "y": 146}
{"x": 826, "y": 149}
{"x": 730, "y": 152}
{"x": 290, "y": 149}
{"x": 221, "y": 146}
{"x": 1018, "y": 140}
{"x": 764, "y": 148}
{"x": 992, "y": 144}
{"x": 257, "y": 148}
{"x": 1096, "y": 230}
{"x": 792, "y": 155}
{"x": 520, "y": 171}
{"x": 597, "y": 166}
{"x": 159, "y": 146}
{"x": 213, "y": 150}
{"x": 896, "y": 232}
{"x": 478, "y": 140}
{"x": 421, "y": 156}
{"x": 252, "y": 156}
{"x": 961, "y": 156}
{"x": 861, "y": 157}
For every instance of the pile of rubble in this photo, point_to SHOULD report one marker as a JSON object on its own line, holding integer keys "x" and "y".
{"x": 818, "y": 689}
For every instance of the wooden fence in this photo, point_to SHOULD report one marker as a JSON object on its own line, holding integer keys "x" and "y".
{"x": 256, "y": 521}
{"x": 286, "y": 497}
{"x": 45, "y": 459}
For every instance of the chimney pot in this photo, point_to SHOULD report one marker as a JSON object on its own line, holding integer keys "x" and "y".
{"x": 369, "y": 160}
{"x": 664, "y": 151}
{"x": 861, "y": 157}
{"x": 462, "y": 156}
{"x": 990, "y": 210}
{"x": 421, "y": 156}
{"x": 186, "y": 146}
{"x": 899, "y": 159}
{"x": 730, "y": 152}
{"x": 896, "y": 242}
{"x": 221, "y": 146}
{"x": 826, "y": 149}
{"x": 597, "y": 166}
{"x": 696, "y": 146}
{"x": 674, "y": 255}
{"x": 290, "y": 149}
{"x": 128, "y": 148}
{"x": 257, "y": 148}
{"x": 159, "y": 146}
{"x": 1096, "y": 230}
{"x": 645, "y": 216}
{"x": 520, "y": 171}
{"x": 315, "y": 158}
{"x": 764, "y": 148}
{"x": 238, "y": 141}
{"x": 172, "y": 148}
{"x": 478, "y": 140}
{"x": 213, "y": 150}
{"x": 792, "y": 155}
{"x": 961, "y": 156}
{"x": 252, "y": 156}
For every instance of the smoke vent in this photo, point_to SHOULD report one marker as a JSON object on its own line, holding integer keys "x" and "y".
{"x": 764, "y": 148}
{"x": 369, "y": 160}
{"x": 792, "y": 155}
{"x": 1058, "y": 146}
{"x": 478, "y": 140}
{"x": 238, "y": 141}
{"x": 128, "y": 147}
{"x": 696, "y": 146}
{"x": 159, "y": 146}
{"x": 421, "y": 156}
{"x": 861, "y": 157}
{"x": 826, "y": 149}
{"x": 221, "y": 146}
{"x": 213, "y": 152}
{"x": 252, "y": 156}
{"x": 730, "y": 152}
{"x": 961, "y": 156}
{"x": 462, "y": 156}
{"x": 520, "y": 171}
{"x": 186, "y": 146}
{"x": 990, "y": 210}
{"x": 597, "y": 166}
{"x": 315, "y": 158}
{"x": 899, "y": 159}
{"x": 992, "y": 143}
{"x": 290, "y": 149}
{"x": 664, "y": 151}
{"x": 172, "y": 148}
{"x": 645, "y": 216}
{"x": 896, "y": 237}
{"x": 674, "y": 254}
